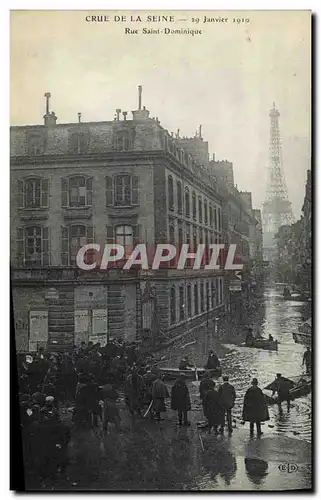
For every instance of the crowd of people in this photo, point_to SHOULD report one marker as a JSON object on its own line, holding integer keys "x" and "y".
{"x": 90, "y": 377}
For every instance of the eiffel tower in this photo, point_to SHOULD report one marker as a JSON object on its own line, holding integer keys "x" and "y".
{"x": 277, "y": 210}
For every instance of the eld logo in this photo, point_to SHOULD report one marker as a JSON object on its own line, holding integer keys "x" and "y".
{"x": 289, "y": 468}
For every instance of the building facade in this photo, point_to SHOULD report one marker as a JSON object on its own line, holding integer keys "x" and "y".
{"x": 124, "y": 181}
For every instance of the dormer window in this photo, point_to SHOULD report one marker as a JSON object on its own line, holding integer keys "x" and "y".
{"x": 36, "y": 145}
{"x": 122, "y": 140}
{"x": 79, "y": 142}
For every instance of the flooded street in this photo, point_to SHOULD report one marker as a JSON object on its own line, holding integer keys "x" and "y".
{"x": 163, "y": 456}
{"x": 280, "y": 318}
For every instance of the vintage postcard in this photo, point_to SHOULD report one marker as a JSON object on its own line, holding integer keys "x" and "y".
{"x": 160, "y": 167}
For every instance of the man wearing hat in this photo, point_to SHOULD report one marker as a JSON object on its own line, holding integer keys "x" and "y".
{"x": 282, "y": 386}
{"x": 227, "y": 396}
{"x": 254, "y": 407}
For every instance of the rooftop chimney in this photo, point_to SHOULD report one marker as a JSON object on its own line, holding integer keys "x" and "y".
{"x": 125, "y": 115}
{"x": 200, "y": 132}
{"x": 49, "y": 118}
{"x": 140, "y": 114}
{"x": 79, "y": 117}
{"x": 118, "y": 111}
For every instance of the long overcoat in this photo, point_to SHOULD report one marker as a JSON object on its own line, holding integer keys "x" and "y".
{"x": 255, "y": 408}
{"x": 213, "y": 409}
{"x": 180, "y": 399}
{"x": 159, "y": 393}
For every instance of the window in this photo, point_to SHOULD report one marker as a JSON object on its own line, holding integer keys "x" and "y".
{"x": 188, "y": 234}
{"x": 180, "y": 236}
{"x": 196, "y": 309}
{"x": 173, "y": 305}
{"x": 172, "y": 239}
{"x": 181, "y": 304}
{"x": 33, "y": 193}
{"x": 205, "y": 213}
{"x": 202, "y": 298}
{"x": 207, "y": 249}
{"x": 207, "y": 296}
{"x": 122, "y": 141}
{"x": 215, "y": 218}
{"x": 36, "y": 145}
{"x": 124, "y": 236}
{"x": 194, "y": 238}
{"x": 79, "y": 142}
{"x": 187, "y": 207}
{"x": 179, "y": 197}
{"x": 123, "y": 190}
{"x": 170, "y": 188}
{"x": 213, "y": 293}
{"x": 219, "y": 221}
{"x": 194, "y": 205}
{"x": 200, "y": 237}
{"x": 33, "y": 246}
{"x": 211, "y": 215}
{"x": 200, "y": 209}
{"x": 189, "y": 301}
{"x": 76, "y": 191}
{"x": 73, "y": 238}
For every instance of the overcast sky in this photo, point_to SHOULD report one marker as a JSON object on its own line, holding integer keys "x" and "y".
{"x": 225, "y": 79}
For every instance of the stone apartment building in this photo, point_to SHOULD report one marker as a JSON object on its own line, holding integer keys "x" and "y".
{"x": 124, "y": 181}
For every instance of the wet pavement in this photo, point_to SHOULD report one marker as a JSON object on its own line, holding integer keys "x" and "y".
{"x": 151, "y": 456}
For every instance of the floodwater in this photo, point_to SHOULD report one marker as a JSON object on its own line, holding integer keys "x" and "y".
{"x": 164, "y": 457}
{"x": 277, "y": 317}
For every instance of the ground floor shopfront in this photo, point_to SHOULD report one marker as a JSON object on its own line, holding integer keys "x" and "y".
{"x": 60, "y": 307}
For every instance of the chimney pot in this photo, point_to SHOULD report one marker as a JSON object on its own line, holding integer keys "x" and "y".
{"x": 79, "y": 117}
{"x": 140, "y": 90}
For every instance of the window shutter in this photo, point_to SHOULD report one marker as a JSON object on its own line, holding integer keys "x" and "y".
{"x": 110, "y": 235}
{"x": 20, "y": 246}
{"x": 65, "y": 246}
{"x": 109, "y": 191}
{"x": 90, "y": 234}
{"x": 89, "y": 187}
{"x": 45, "y": 246}
{"x": 136, "y": 234}
{"x": 44, "y": 193}
{"x": 64, "y": 192}
{"x": 21, "y": 200}
{"x": 135, "y": 190}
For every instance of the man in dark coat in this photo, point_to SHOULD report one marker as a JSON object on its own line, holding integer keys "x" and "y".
{"x": 159, "y": 394}
{"x": 134, "y": 391}
{"x": 212, "y": 361}
{"x": 206, "y": 384}
{"x": 180, "y": 400}
{"x": 213, "y": 409}
{"x": 227, "y": 395}
{"x": 282, "y": 386}
{"x": 255, "y": 408}
{"x": 185, "y": 364}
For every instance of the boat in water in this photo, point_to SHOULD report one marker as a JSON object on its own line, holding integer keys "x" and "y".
{"x": 268, "y": 345}
{"x": 301, "y": 386}
{"x": 174, "y": 373}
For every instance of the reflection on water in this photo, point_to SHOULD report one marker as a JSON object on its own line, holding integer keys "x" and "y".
{"x": 256, "y": 470}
